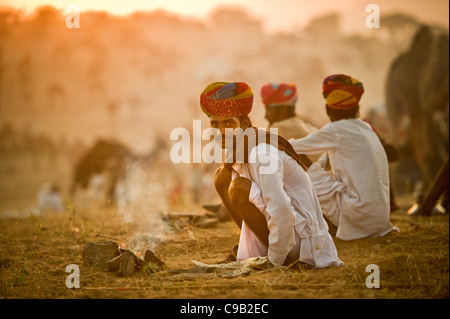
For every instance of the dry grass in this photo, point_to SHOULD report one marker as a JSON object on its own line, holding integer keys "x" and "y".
{"x": 36, "y": 250}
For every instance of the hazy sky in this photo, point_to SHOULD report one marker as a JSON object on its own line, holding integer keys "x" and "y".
{"x": 276, "y": 14}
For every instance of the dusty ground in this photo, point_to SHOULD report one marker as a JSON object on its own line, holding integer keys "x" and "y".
{"x": 35, "y": 250}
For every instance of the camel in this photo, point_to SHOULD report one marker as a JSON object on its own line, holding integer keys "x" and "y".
{"x": 111, "y": 158}
{"x": 104, "y": 156}
{"x": 417, "y": 88}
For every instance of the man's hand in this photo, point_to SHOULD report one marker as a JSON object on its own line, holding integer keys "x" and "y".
{"x": 222, "y": 179}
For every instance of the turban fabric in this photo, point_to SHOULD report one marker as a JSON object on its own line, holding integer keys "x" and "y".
{"x": 342, "y": 92}
{"x": 274, "y": 94}
{"x": 227, "y": 99}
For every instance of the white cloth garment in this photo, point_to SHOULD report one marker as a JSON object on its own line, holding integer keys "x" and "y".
{"x": 355, "y": 194}
{"x": 287, "y": 200}
{"x": 295, "y": 127}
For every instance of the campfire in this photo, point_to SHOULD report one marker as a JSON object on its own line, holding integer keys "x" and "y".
{"x": 109, "y": 256}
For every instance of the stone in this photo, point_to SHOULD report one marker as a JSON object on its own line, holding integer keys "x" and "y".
{"x": 127, "y": 264}
{"x": 207, "y": 222}
{"x": 109, "y": 256}
{"x": 140, "y": 264}
{"x": 113, "y": 265}
{"x": 98, "y": 254}
{"x": 219, "y": 212}
{"x": 151, "y": 258}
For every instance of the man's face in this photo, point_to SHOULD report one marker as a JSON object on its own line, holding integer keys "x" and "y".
{"x": 224, "y": 122}
{"x": 271, "y": 114}
{"x": 278, "y": 113}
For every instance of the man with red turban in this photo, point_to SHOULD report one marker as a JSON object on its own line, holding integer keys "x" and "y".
{"x": 278, "y": 212}
{"x": 279, "y": 100}
{"x": 354, "y": 194}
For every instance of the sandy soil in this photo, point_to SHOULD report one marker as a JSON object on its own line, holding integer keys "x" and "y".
{"x": 35, "y": 250}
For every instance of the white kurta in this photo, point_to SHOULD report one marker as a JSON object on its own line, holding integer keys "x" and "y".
{"x": 295, "y": 127}
{"x": 355, "y": 194}
{"x": 292, "y": 210}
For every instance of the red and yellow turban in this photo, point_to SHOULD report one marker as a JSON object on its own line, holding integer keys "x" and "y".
{"x": 342, "y": 92}
{"x": 274, "y": 94}
{"x": 227, "y": 99}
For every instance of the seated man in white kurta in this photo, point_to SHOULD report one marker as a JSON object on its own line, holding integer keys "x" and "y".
{"x": 354, "y": 193}
{"x": 278, "y": 212}
{"x": 280, "y": 101}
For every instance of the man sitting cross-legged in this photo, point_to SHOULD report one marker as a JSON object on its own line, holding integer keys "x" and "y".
{"x": 354, "y": 192}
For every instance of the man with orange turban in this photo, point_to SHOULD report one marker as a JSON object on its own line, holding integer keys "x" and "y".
{"x": 278, "y": 212}
{"x": 279, "y": 100}
{"x": 354, "y": 195}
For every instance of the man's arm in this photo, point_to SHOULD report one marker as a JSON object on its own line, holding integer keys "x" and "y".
{"x": 222, "y": 181}
{"x": 326, "y": 139}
